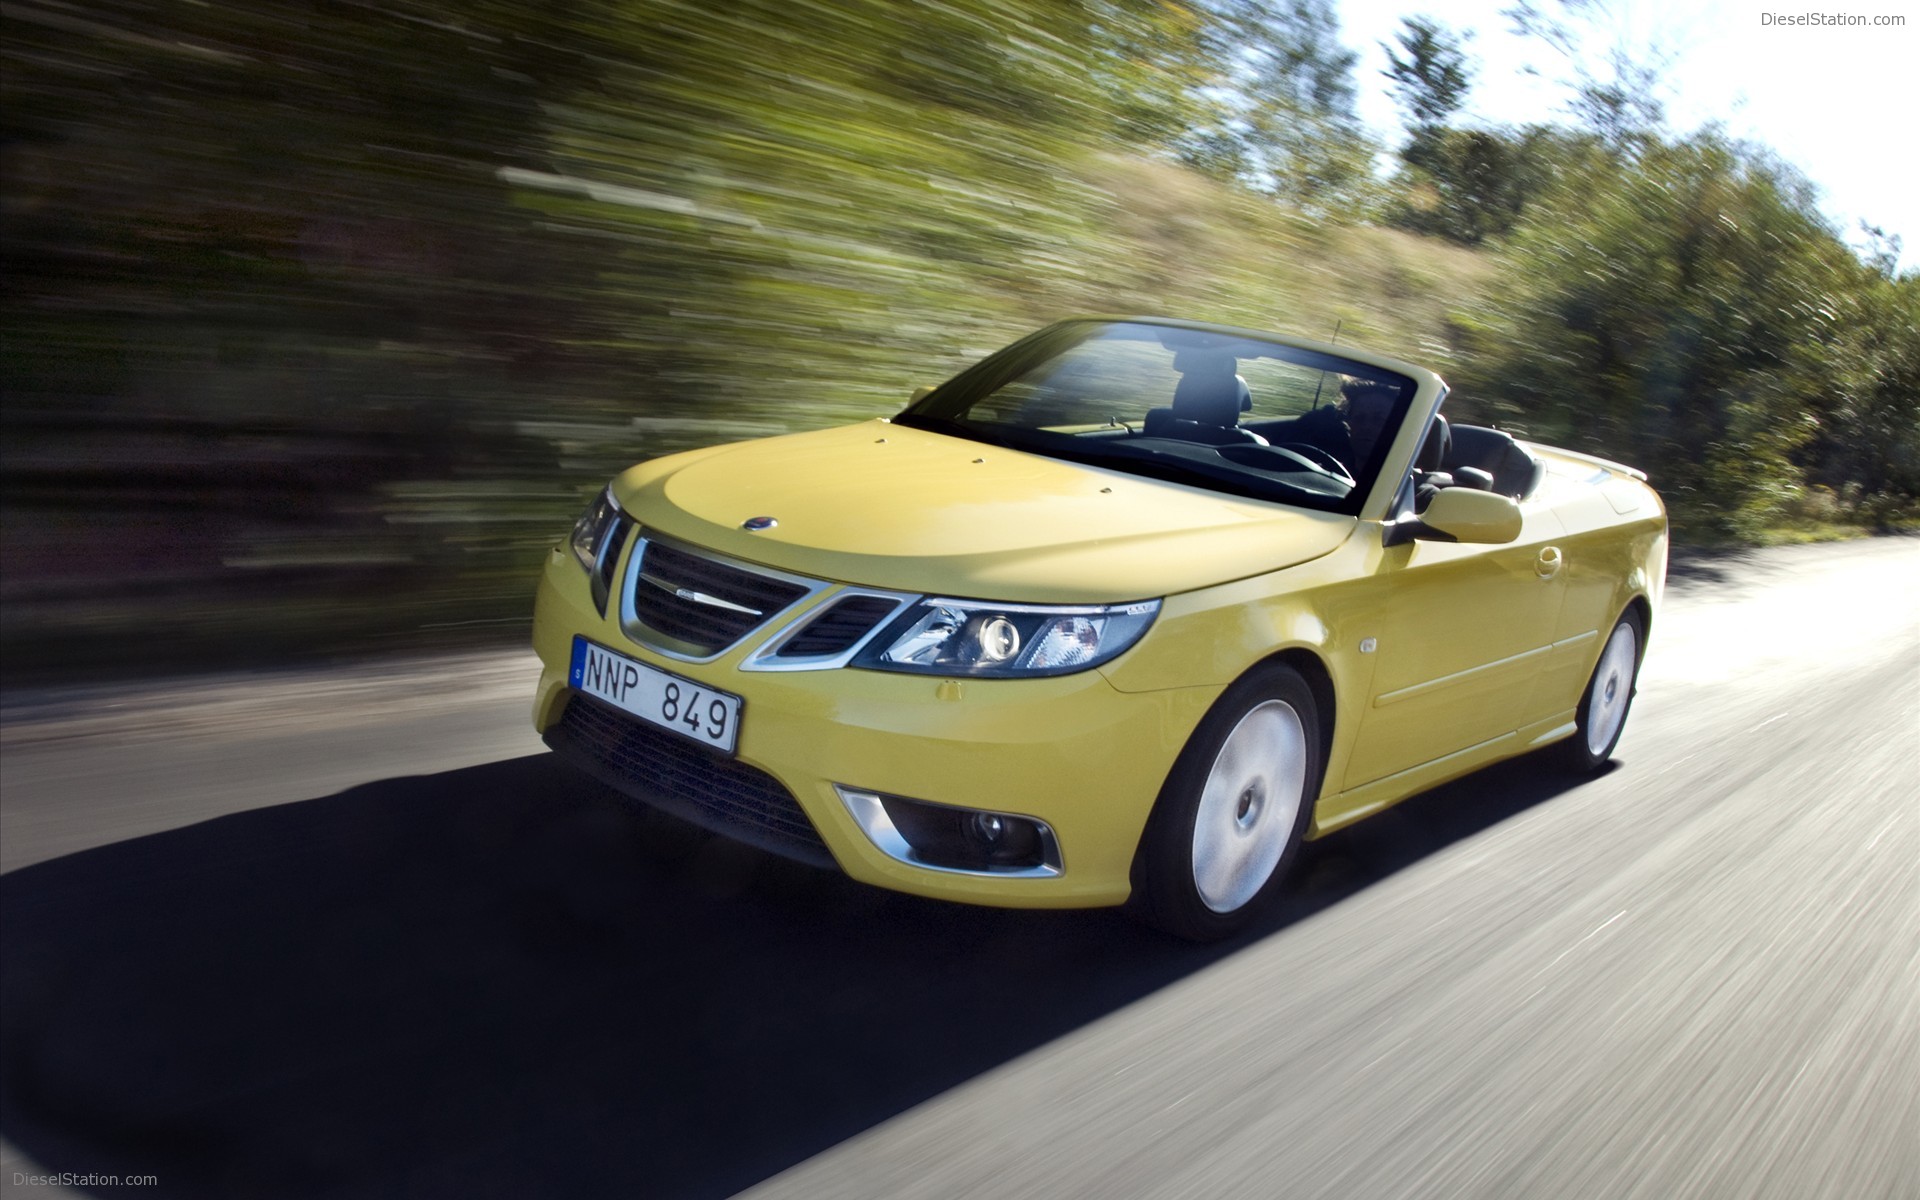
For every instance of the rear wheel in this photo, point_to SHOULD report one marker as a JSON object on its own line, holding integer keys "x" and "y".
{"x": 1230, "y": 817}
{"x": 1603, "y": 706}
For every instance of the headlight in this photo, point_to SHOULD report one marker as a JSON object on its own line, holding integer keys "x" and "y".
{"x": 973, "y": 637}
{"x": 597, "y": 539}
{"x": 590, "y": 531}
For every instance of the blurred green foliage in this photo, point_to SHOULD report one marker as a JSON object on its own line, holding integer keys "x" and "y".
{"x": 1675, "y": 302}
{"x": 1280, "y": 116}
{"x": 321, "y": 320}
{"x": 1463, "y": 184}
{"x": 1684, "y": 309}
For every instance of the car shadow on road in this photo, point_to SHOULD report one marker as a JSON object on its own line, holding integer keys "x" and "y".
{"x": 1707, "y": 566}
{"x": 499, "y": 982}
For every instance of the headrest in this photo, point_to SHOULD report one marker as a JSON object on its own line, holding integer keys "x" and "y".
{"x": 1209, "y": 392}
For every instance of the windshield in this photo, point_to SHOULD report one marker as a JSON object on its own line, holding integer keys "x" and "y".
{"x": 1228, "y": 411}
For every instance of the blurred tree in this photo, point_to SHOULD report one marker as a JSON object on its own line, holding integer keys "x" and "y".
{"x": 1430, "y": 72}
{"x": 1470, "y": 185}
{"x": 1683, "y": 314}
{"x": 1461, "y": 184}
{"x": 1615, "y": 92}
{"x": 1289, "y": 125}
{"x": 1866, "y": 447}
{"x": 1465, "y": 184}
{"x": 1881, "y": 251}
{"x": 1150, "y": 62}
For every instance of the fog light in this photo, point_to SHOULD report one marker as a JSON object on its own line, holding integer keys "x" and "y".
{"x": 945, "y": 838}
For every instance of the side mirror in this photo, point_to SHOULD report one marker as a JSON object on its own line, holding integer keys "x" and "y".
{"x": 919, "y": 394}
{"x": 1462, "y": 514}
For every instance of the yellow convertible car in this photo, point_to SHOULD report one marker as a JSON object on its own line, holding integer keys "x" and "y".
{"x": 1121, "y": 614}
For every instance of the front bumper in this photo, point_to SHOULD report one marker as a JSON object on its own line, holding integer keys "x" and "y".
{"x": 1071, "y": 751}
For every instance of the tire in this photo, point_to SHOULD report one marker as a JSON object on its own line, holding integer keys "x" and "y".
{"x": 1229, "y": 820}
{"x": 1602, "y": 714}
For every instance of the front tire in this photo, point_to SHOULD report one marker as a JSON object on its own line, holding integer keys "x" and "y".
{"x": 1230, "y": 818}
{"x": 1602, "y": 714}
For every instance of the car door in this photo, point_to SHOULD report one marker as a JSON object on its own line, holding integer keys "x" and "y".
{"x": 1611, "y": 527}
{"x": 1459, "y": 634}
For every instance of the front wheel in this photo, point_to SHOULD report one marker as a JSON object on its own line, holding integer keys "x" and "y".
{"x": 1231, "y": 815}
{"x": 1603, "y": 706}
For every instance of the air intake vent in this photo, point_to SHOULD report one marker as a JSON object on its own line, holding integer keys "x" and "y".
{"x": 702, "y": 605}
{"x": 673, "y": 774}
{"x": 837, "y": 629}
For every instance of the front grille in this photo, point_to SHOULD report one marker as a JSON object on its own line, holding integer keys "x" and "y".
{"x": 668, "y": 579}
{"x": 838, "y": 628}
{"x": 676, "y": 776}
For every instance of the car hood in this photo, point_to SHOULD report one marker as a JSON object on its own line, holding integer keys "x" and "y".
{"x": 886, "y": 506}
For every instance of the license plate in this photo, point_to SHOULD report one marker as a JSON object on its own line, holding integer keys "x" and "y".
{"x": 687, "y": 708}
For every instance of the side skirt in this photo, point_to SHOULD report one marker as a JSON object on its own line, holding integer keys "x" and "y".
{"x": 1334, "y": 812}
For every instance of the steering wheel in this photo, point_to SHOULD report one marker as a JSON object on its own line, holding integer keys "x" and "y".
{"x": 1319, "y": 458}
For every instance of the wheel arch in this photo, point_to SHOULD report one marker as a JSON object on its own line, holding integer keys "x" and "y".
{"x": 1313, "y": 669}
{"x": 1640, "y": 606}
{"x": 1638, "y": 603}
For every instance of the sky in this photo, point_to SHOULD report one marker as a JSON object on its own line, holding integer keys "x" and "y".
{"x": 1840, "y": 103}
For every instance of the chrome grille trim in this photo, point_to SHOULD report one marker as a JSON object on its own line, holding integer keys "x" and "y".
{"x": 699, "y": 597}
{"x": 638, "y": 575}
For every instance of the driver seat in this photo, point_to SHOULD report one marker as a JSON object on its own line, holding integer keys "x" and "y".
{"x": 1207, "y": 403}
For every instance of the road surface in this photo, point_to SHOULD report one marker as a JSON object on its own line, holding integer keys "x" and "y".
{"x": 351, "y": 933}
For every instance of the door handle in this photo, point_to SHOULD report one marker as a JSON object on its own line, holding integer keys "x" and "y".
{"x": 1548, "y": 564}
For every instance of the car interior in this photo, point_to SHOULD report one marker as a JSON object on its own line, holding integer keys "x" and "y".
{"x": 1207, "y": 403}
{"x": 1211, "y": 396}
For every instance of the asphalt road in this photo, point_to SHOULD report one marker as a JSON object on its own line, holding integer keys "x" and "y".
{"x": 351, "y": 933}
